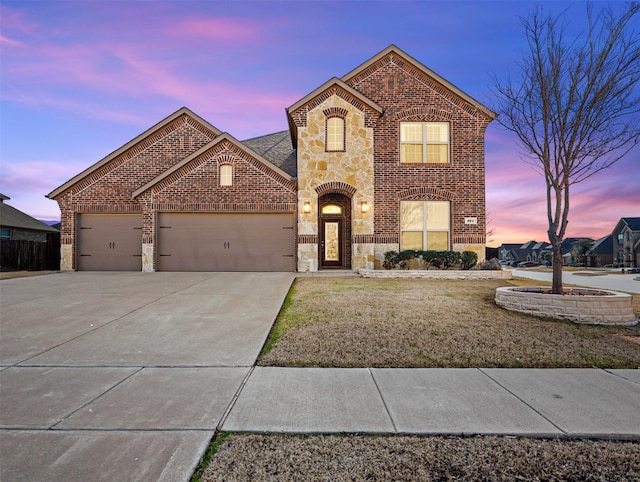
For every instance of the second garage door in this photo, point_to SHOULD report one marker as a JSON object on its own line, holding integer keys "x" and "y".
{"x": 225, "y": 242}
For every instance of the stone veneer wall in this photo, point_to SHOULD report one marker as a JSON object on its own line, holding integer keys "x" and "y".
{"x": 435, "y": 274}
{"x": 610, "y": 309}
{"x": 353, "y": 167}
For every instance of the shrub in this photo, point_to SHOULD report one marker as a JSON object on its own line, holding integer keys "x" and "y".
{"x": 469, "y": 259}
{"x": 450, "y": 258}
{"x": 437, "y": 263}
{"x": 443, "y": 259}
{"x": 390, "y": 259}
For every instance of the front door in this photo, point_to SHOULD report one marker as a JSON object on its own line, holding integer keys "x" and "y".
{"x": 331, "y": 242}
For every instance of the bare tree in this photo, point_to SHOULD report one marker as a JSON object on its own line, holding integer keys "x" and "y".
{"x": 574, "y": 104}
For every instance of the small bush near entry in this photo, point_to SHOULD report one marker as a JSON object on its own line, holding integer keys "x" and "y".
{"x": 469, "y": 259}
{"x": 434, "y": 259}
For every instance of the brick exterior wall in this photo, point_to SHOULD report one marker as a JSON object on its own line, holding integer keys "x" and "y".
{"x": 109, "y": 189}
{"x": 368, "y": 170}
{"x": 195, "y": 187}
{"x": 406, "y": 94}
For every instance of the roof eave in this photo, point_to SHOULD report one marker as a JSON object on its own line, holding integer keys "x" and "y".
{"x": 167, "y": 120}
{"x": 329, "y": 83}
{"x": 225, "y": 136}
{"x": 426, "y": 70}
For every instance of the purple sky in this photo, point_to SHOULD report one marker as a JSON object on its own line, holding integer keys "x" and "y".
{"x": 79, "y": 79}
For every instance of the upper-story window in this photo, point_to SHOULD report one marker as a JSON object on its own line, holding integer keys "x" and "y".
{"x": 226, "y": 175}
{"x": 335, "y": 134}
{"x": 424, "y": 142}
{"x": 620, "y": 238}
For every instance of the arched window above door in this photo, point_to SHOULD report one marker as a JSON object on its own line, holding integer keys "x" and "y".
{"x": 331, "y": 209}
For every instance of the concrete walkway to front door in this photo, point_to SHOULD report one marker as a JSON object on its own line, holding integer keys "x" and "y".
{"x": 124, "y": 376}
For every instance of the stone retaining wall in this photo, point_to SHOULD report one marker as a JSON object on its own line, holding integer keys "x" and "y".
{"x": 435, "y": 274}
{"x": 610, "y": 308}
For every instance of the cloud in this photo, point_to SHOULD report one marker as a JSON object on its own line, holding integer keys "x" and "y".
{"x": 37, "y": 177}
{"x": 223, "y": 29}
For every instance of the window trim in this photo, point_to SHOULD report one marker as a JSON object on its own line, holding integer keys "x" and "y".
{"x": 425, "y": 142}
{"x": 425, "y": 227}
{"x": 326, "y": 133}
{"x": 226, "y": 175}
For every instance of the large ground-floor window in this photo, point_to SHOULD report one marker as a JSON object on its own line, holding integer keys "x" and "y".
{"x": 425, "y": 225}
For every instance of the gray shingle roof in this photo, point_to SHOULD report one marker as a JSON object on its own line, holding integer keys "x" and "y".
{"x": 277, "y": 149}
{"x": 633, "y": 223}
{"x": 603, "y": 245}
{"x": 10, "y": 217}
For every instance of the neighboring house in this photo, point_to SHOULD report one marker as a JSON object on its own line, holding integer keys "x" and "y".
{"x": 626, "y": 243}
{"x": 567, "y": 256}
{"x": 388, "y": 157}
{"x": 26, "y": 242}
{"x": 509, "y": 252}
{"x": 601, "y": 252}
{"x": 530, "y": 251}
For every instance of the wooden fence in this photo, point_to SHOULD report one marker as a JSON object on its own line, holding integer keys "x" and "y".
{"x": 31, "y": 255}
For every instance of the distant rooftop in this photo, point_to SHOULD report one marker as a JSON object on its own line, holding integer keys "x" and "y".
{"x": 11, "y": 217}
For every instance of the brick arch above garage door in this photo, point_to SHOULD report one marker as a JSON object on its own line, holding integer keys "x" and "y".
{"x": 225, "y": 241}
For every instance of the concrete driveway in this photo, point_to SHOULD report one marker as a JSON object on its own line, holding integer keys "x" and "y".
{"x": 124, "y": 376}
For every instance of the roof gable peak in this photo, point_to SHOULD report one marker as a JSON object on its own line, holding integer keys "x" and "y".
{"x": 224, "y": 137}
{"x": 396, "y": 55}
{"x": 198, "y": 122}
{"x": 316, "y": 96}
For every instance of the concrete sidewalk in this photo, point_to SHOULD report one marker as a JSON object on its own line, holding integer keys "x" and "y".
{"x": 570, "y": 403}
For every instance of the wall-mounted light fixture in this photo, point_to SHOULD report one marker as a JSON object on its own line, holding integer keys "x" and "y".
{"x": 364, "y": 206}
{"x": 307, "y": 207}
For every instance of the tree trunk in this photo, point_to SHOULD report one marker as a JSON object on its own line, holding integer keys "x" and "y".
{"x": 556, "y": 285}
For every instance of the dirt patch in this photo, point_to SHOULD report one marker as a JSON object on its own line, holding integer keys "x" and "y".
{"x": 277, "y": 457}
{"x": 355, "y": 322}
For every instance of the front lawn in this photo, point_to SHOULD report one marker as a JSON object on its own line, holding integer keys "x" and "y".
{"x": 286, "y": 457}
{"x": 356, "y": 322}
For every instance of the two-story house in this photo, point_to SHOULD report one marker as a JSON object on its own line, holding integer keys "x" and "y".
{"x": 390, "y": 156}
{"x": 626, "y": 243}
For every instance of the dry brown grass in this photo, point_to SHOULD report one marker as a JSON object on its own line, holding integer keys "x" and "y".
{"x": 356, "y": 322}
{"x": 283, "y": 458}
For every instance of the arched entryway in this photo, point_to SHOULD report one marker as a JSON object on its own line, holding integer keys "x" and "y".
{"x": 334, "y": 228}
